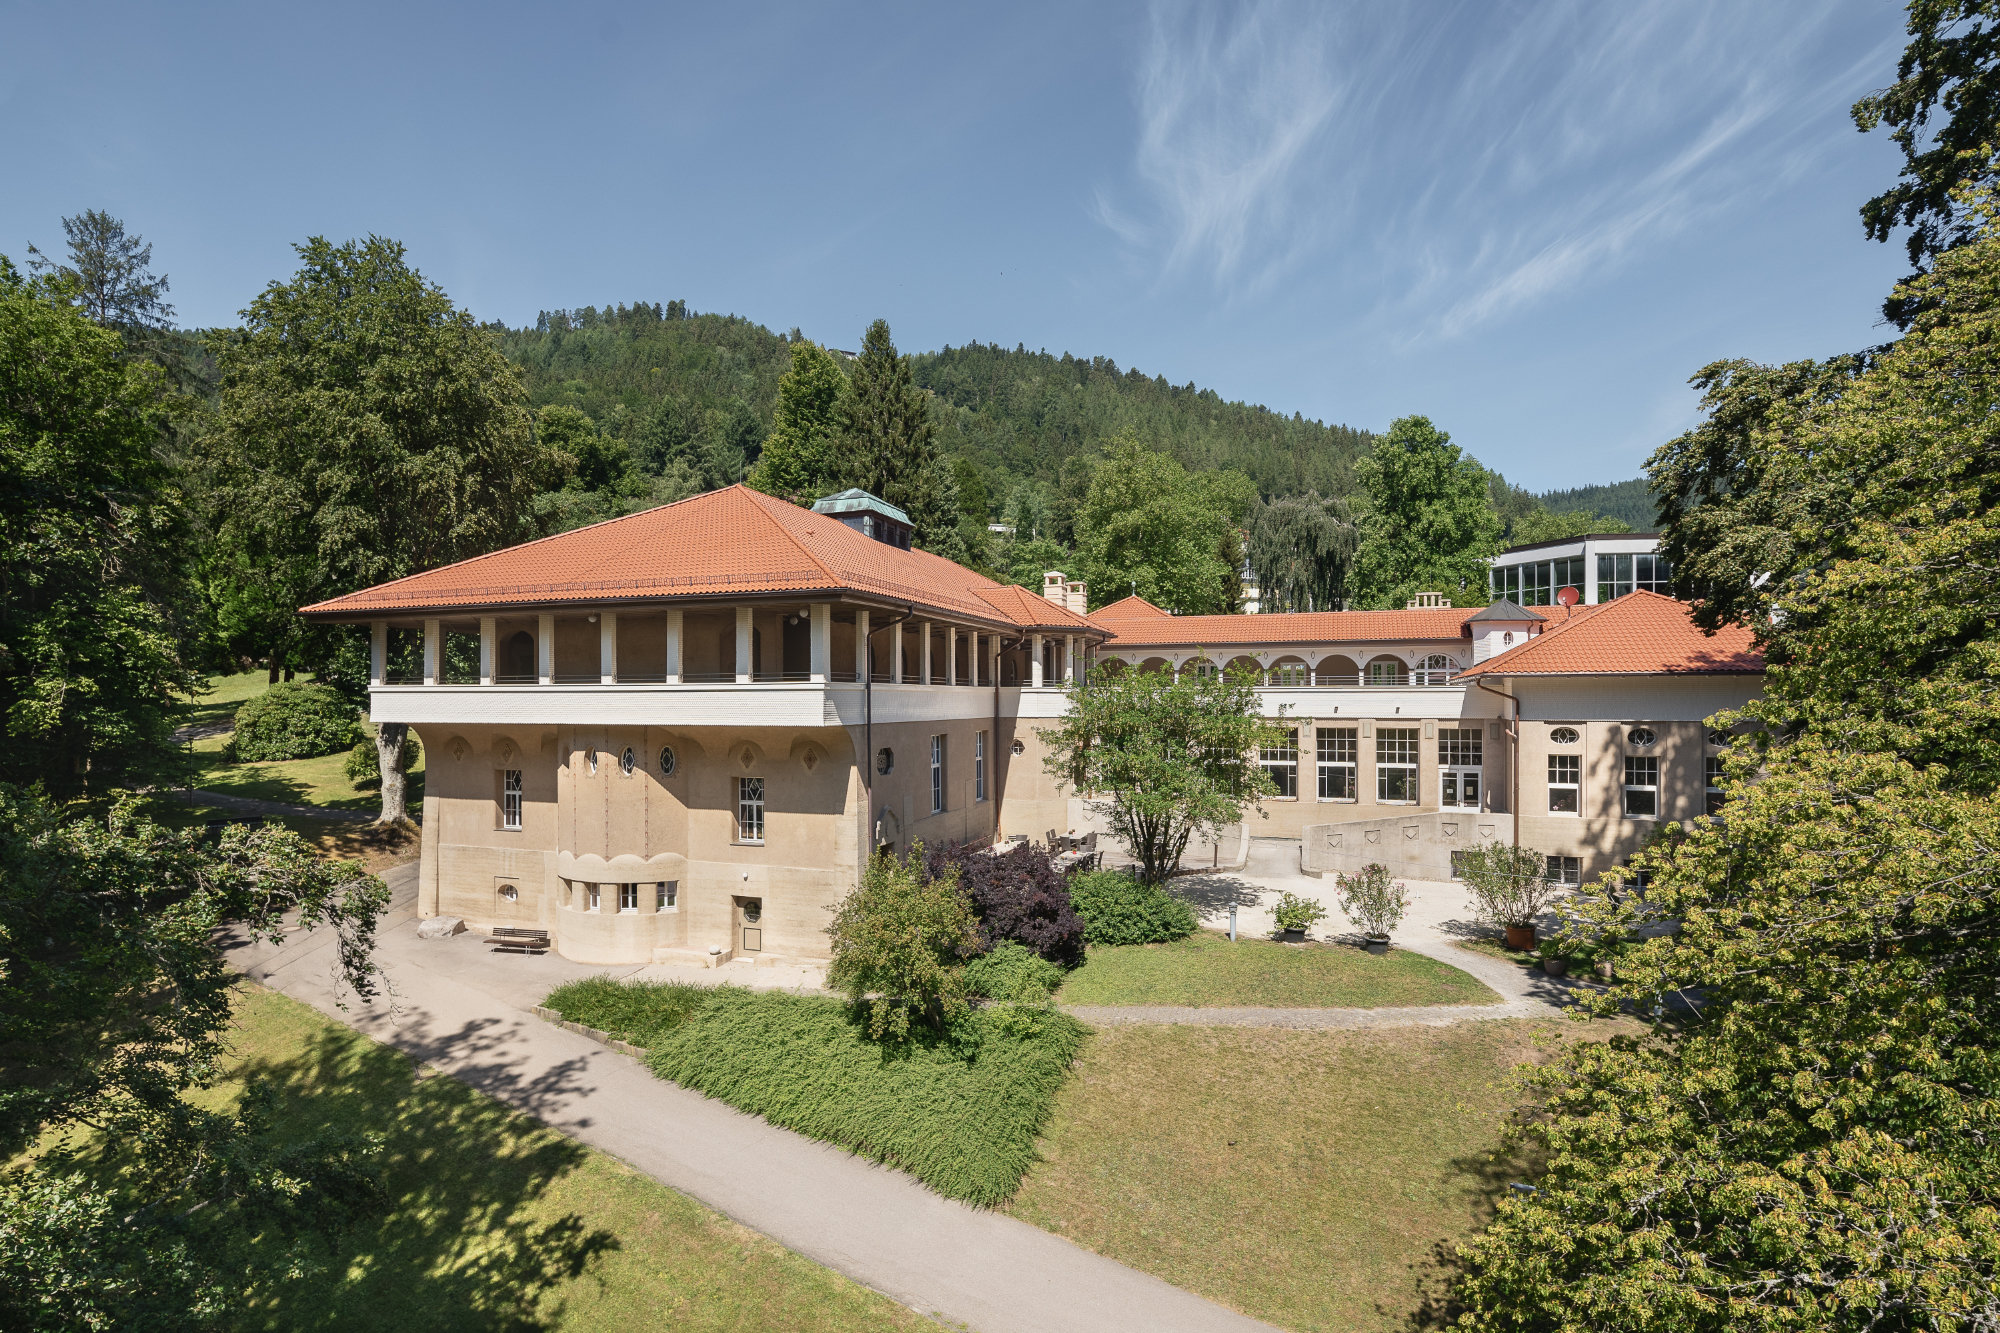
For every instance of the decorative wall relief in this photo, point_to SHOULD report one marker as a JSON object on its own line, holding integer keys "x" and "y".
{"x": 1372, "y": 835}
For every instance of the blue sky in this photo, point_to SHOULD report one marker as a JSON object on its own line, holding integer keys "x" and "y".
{"x": 1531, "y": 222}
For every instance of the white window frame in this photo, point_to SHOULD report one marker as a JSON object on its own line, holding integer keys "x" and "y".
{"x": 628, "y": 898}
{"x": 1289, "y": 675}
{"x": 666, "y": 895}
{"x": 1566, "y": 775}
{"x": 1645, "y": 765}
{"x": 1461, "y": 756}
{"x": 750, "y": 811}
{"x": 510, "y": 800}
{"x": 1339, "y": 755}
{"x": 1281, "y": 763}
{"x": 1564, "y": 870}
{"x": 593, "y": 898}
{"x": 978, "y": 765}
{"x": 937, "y": 774}
{"x": 1398, "y": 760}
{"x": 1711, "y": 781}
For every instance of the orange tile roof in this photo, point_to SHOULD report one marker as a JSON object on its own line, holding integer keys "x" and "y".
{"x": 1146, "y": 626}
{"x": 731, "y": 542}
{"x": 1641, "y": 633}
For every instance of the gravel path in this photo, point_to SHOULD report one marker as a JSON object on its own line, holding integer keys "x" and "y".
{"x": 1433, "y": 1015}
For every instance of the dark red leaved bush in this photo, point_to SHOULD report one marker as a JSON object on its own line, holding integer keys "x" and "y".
{"x": 1018, "y": 895}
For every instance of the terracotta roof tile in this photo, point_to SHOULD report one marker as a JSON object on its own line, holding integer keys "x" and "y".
{"x": 1132, "y": 628}
{"x": 734, "y": 541}
{"x": 1641, "y": 633}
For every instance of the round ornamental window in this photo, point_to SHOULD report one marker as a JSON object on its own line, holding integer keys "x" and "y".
{"x": 1641, "y": 736}
{"x": 1017, "y": 748}
{"x": 885, "y": 761}
{"x": 510, "y": 893}
{"x": 753, "y": 910}
{"x": 627, "y": 762}
{"x": 667, "y": 761}
{"x": 1563, "y": 736}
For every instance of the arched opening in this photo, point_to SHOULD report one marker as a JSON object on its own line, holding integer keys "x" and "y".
{"x": 1337, "y": 670}
{"x": 1289, "y": 671}
{"x": 1388, "y": 671}
{"x": 1247, "y": 664}
{"x": 517, "y": 657}
{"x": 1438, "y": 669}
{"x": 1156, "y": 664}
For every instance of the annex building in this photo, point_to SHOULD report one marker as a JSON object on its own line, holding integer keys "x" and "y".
{"x": 680, "y": 735}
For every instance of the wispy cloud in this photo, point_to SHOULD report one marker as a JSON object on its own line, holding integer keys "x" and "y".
{"x": 1455, "y": 165}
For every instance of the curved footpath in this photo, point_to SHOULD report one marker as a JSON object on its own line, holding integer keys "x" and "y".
{"x": 463, "y": 1011}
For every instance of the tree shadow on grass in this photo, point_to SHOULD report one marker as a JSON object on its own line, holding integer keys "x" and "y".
{"x": 467, "y": 1242}
{"x": 1485, "y": 1179}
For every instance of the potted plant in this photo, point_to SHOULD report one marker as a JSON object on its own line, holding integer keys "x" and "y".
{"x": 1554, "y": 962}
{"x": 1374, "y": 902}
{"x": 1511, "y": 886}
{"x": 1295, "y": 916}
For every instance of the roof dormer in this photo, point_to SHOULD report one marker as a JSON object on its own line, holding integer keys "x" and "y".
{"x": 1501, "y": 626}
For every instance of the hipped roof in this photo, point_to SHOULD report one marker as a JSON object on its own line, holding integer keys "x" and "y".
{"x": 1639, "y": 634}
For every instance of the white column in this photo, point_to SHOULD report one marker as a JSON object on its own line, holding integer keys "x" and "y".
{"x": 433, "y": 651}
{"x": 1035, "y": 660}
{"x": 861, "y": 644}
{"x": 545, "y": 648}
{"x": 951, "y": 654}
{"x": 1069, "y": 659}
{"x": 378, "y": 652}
{"x": 822, "y": 641}
{"x": 745, "y": 668}
{"x": 487, "y": 636}
{"x": 924, "y": 662}
{"x": 674, "y": 647}
{"x": 896, "y": 653}
{"x": 607, "y": 648}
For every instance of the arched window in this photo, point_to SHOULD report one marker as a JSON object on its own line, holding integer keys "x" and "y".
{"x": 517, "y": 657}
{"x": 1388, "y": 671}
{"x": 1437, "y": 670}
{"x": 1289, "y": 672}
{"x": 627, "y": 762}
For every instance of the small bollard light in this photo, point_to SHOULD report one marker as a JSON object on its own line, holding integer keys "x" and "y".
{"x": 1232, "y": 923}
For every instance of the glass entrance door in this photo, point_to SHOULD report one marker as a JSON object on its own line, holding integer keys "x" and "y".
{"x": 1460, "y": 759}
{"x": 1458, "y": 789}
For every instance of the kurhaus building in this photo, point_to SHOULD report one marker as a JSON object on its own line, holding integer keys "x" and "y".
{"x": 679, "y": 735}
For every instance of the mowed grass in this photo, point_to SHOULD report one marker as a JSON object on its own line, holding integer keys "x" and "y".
{"x": 320, "y": 781}
{"x": 960, "y": 1112}
{"x": 1304, "y": 1178}
{"x": 1207, "y": 971}
{"x": 499, "y": 1223}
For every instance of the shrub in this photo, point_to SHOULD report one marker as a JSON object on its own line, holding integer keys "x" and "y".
{"x": 293, "y": 720}
{"x": 959, "y": 1109}
{"x": 634, "y": 1011}
{"x": 899, "y": 945}
{"x": 1296, "y": 913}
{"x": 1510, "y": 884}
{"x": 1011, "y": 971}
{"x": 364, "y": 765}
{"x": 1372, "y": 901}
{"x": 1118, "y": 909}
{"x": 1018, "y": 895}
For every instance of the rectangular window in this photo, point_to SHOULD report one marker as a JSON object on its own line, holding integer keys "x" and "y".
{"x": 1642, "y": 786}
{"x": 1614, "y": 576}
{"x": 591, "y": 901}
{"x": 750, "y": 810}
{"x": 1712, "y": 783}
{"x": 1396, "y": 765}
{"x": 1337, "y": 754}
{"x": 666, "y": 894}
{"x": 1567, "y": 870}
{"x": 1460, "y": 751}
{"x": 510, "y": 799}
{"x": 1535, "y": 590}
{"x": 1565, "y": 784}
{"x": 1290, "y": 674}
{"x": 1568, "y": 573}
{"x": 979, "y": 766}
{"x": 1653, "y": 573}
{"x": 937, "y": 775}
{"x": 628, "y": 897}
{"x": 1281, "y": 763}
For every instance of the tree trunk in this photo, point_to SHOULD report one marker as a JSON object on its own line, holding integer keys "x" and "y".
{"x": 272, "y": 679}
{"x": 392, "y": 754}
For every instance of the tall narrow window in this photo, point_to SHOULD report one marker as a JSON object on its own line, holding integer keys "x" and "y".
{"x": 1712, "y": 784}
{"x": 591, "y": 901}
{"x": 979, "y": 766}
{"x": 750, "y": 810}
{"x": 1396, "y": 765}
{"x": 628, "y": 897}
{"x": 1460, "y": 758}
{"x": 1337, "y": 754}
{"x": 1565, "y": 784}
{"x": 1642, "y": 786}
{"x": 937, "y": 775}
{"x": 510, "y": 799}
{"x": 1281, "y": 763}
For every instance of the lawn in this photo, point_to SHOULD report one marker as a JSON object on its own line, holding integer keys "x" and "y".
{"x": 1206, "y": 970}
{"x": 959, "y": 1112}
{"x": 320, "y": 781}
{"x": 1304, "y": 1178}
{"x": 497, "y": 1222}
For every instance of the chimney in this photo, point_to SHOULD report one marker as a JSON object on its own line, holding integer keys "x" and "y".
{"x": 1079, "y": 597}
{"x": 1055, "y": 587}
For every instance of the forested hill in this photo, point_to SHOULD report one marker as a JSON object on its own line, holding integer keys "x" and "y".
{"x": 671, "y": 384}
{"x": 1024, "y": 414}
{"x": 1630, "y": 501}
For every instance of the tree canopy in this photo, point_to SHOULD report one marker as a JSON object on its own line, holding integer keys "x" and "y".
{"x": 1302, "y": 550}
{"x": 1429, "y": 526}
{"x": 802, "y": 455}
{"x": 1149, "y": 526}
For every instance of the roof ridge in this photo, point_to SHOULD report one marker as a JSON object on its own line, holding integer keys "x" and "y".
{"x": 772, "y": 519}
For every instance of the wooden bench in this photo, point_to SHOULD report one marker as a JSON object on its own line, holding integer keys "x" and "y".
{"x": 528, "y": 939}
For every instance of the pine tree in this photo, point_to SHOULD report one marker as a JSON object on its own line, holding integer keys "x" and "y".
{"x": 800, "y": 455}
{"x": 892, "y": 444}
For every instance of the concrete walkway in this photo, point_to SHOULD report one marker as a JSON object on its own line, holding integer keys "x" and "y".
{"x": 460, "y": 1009}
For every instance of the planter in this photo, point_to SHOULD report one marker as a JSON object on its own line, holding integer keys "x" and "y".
{"x": 1556, "y": 967}
{"x": 1521, "y": 938}
{"x": 1605, "y": 972}
{"x": 1291, "y": 937}
{"x": 1376, "y": 943}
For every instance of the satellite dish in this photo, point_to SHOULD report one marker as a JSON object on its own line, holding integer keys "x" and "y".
{"x": 1568, "y": 597}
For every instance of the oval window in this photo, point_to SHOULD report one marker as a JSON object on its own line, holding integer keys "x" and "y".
{"x": 1563, "y": 736}
{"x": 1017, "y": 748}
{"x": 1641, "y": 736}
{"x": 590, "y": 757}
{"x": 667, "y": 760}
{"x": 627, "y": 762}
{"x": 510, "y": 893}
{"x": 885, "y": 761}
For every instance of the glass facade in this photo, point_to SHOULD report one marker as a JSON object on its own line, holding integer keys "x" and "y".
{"x": 1620, "y": 574}
{"x": 1537, "y": 582}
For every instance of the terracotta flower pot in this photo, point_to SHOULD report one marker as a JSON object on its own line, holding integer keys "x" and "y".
{"x": 1521, "y": 938}
{"x": 1376, "y": 943}
{"x": 1555, "y": 967}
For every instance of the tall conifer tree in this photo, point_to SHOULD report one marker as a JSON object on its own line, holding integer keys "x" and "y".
{"x": 892, "y": 444}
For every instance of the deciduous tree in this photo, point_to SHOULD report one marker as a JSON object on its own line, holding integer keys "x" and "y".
{"x": 1428, "y": 526}
{"x": 1148, "y": 526}
{"x": 801, "y": 457}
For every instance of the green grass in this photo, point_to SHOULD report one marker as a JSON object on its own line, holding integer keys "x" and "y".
{"x": 1206, "y": 970}
{"x": 1304, "y": 1178}
{"x": 499, "y": 1223}
{"x": 959, "y": 1113}
{"x": 320, "y": 781}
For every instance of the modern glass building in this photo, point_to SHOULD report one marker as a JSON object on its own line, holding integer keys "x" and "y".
{"x": 1599, "y": 566}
